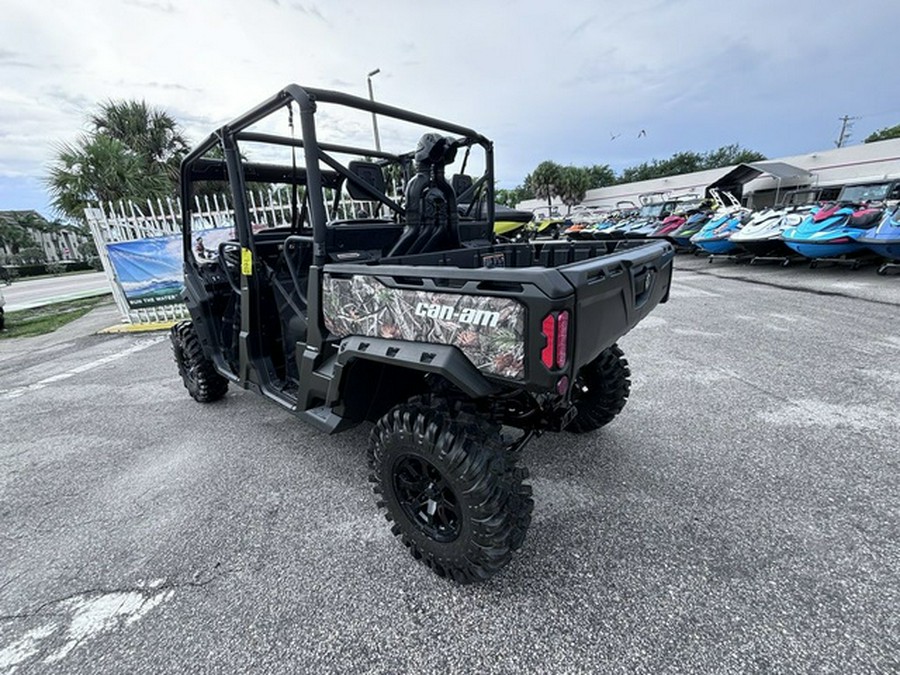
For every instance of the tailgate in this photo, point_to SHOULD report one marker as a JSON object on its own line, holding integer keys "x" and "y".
{"x": 614, "y": 292}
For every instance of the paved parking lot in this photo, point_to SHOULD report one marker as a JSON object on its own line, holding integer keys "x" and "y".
{"x": 741, "y": 515}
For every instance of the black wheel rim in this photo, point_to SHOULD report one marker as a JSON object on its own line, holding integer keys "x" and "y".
{"x": 426, "y": 498}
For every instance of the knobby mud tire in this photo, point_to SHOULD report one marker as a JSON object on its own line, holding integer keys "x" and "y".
{"x": 493, "y": 504}
{"x": 601, "y": 391}
{"x": 197, "y": 372}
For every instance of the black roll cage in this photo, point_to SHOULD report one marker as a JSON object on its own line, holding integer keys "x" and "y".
{"x": 195, "y": 166}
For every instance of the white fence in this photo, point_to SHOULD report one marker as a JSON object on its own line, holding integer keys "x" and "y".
{"x": 127, "y": 221}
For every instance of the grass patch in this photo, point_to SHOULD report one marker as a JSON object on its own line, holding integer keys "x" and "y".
{"x": 46, "y": 319}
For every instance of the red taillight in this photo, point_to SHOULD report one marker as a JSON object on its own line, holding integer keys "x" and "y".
{"x": 548, "y": 328}
{"x": 556, "y": 333}
{"x": 562, "y": 339}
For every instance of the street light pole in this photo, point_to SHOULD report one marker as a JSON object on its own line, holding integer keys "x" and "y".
{"x": 372, "y": 99}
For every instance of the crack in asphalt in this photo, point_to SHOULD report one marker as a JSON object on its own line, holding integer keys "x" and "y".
{"x": 786, "y": 287}
{"x": 751, "y": 384}
{"x": 173, "y": 585}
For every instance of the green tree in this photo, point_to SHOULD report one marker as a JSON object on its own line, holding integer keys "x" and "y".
{"x": 572, "y": 184}
{"x": 600, "y": 175}
{"x": 543, "y": 181}
{"x": 147, "y": 132}
{"x": 131, "y": 151}
{"x": 688, "y": 162}
{"x": 14, "y": 231}
{"x": 729, "y": 155}
{"x": 512, "y": 196}
{"x": 883, "y": 134}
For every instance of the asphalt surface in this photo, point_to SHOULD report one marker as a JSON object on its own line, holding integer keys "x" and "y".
{"x": 740, "y": 515}
{"x": 28, "y": 293}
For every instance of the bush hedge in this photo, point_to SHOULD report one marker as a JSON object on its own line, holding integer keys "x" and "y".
{"x": 37, "y": 269}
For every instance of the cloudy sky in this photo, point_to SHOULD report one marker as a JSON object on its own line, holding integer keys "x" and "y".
{"x": 543, "y": 80}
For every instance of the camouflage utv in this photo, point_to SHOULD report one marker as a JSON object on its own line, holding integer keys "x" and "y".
{"x": 382, "y": 295}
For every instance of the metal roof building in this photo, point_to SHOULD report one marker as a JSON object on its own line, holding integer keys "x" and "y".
{"x": 762, "y": 183}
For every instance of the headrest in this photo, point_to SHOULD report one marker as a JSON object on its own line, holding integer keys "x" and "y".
{"x": 460, "y": 183}
{"x": 434, "y": 149}
{"x": 367, "y": 172}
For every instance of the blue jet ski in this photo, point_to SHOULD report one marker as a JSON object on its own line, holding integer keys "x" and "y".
{"x": 715, "y": 236}
{"x": 885, "y": 239}
{"x": 832, "y": 230}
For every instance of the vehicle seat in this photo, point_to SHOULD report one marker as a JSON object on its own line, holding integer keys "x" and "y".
{"x": 432, "y": 220}
{"x": 462, "y": 186}
{"x": 865, "y": 218}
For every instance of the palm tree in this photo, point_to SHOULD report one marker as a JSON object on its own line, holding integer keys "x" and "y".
{"x": 572, "y": 184}
{"x": 544, "y": 181}
{"x": 148, "y": 132}
{"x": 132, "y": 151}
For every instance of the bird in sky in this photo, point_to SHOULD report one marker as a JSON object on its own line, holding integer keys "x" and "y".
{"x": 613, "y": 136}
{"x": 643, "y": 133}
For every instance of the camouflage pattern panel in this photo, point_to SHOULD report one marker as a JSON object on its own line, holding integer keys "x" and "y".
{"x": 489, "y": 331}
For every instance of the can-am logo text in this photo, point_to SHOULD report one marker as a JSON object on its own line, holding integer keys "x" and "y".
{"x": 476, "y": 317}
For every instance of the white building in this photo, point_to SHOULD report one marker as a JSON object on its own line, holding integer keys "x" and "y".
{"x": 762, "y": 183}
{"x": 56, "y": 242}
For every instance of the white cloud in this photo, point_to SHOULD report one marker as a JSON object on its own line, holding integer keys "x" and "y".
{"x": 544, "y": 80}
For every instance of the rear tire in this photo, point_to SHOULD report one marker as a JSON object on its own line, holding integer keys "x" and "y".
{"x": 600, "y": 391}
{"x": 453, "y": 492}
{"x": 197, "y": 372}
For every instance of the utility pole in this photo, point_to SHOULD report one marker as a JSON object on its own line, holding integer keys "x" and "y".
{"x": 372, "y": 99}
{"x": 846, "y": 130}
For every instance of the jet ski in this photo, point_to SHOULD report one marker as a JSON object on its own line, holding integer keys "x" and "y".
{"x": 649, "y": 219}
{"x": 618, "y": 222}
{"x": 715, "y": 236}
{"x": 694, "y": 223}
{"x": 832, "y": 230}
{"x": 654, "y": 207}
{"x": 684, "y": 209}
{"x": 761, "y": 235}
{"x": 548, "y": 227}
{"x": 885, "y": 238}
{"x": 509, "y": 224}
{"x": 668, "y": 225}
{"x": 720, "y": 211}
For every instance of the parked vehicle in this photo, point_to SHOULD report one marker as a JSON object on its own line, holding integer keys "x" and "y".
{"x": 715, "y": 236}
{"x": 832, "y": 230}
{"x": 681, "y": 236}
{"x": 654, "y": 209}
{"x": 417, "y": 320}
{"x": 548, "y": 227}
{"x": 761, "y": 236}
{"x": 509, "y": 224}
{"x": 884, "y": 239}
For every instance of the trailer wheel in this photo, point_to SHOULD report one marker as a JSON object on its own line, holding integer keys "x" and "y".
{"x": 197, "y": 372}
{"x": 453, "y": 492}
{"x": 601, "y": 390}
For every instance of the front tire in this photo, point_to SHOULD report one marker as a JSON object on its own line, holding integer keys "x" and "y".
{"x": 197, "y": 372}
{"x": 452, "y": 490}
{"x": 600, "y": 391}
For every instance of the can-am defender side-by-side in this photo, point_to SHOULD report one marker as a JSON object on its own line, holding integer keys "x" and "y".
{"x": 409, "y": 314}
